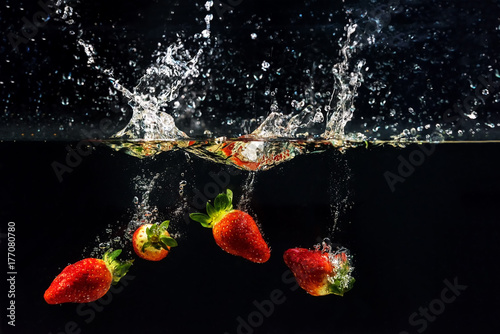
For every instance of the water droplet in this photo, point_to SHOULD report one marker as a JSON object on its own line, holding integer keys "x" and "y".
{"x": 436, "y": 138}
{"x": 104, "y": 245}
{"x": 208, "y": 5}
{"x": 220, "y": 140}
{"x": 205, "y": 33}
{"x": 472, "y": 115}
{"x": 318, "y": 118}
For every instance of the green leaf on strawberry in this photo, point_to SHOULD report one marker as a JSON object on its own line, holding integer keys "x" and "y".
{"x": 341, "y": 281}
{"x": 117, "y": 268}
{"x": 152, "y": 241}
{"x": 201, "y": 218}
{"x": 211, "y": 210}
{"x": 168, "y": 241}
{"x": 146, "y": 245}
{"x": 223, "y": 204}
{"x": 164, "y": 225}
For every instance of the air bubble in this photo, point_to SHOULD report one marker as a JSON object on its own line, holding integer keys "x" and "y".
{"x": 104, "y": 245}
{"x": 205, "y": 33}
{"x": 436, "y": 138}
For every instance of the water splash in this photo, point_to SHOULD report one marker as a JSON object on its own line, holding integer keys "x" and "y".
{"x": 159, "y": 86}
{"x": 341, "y": 107}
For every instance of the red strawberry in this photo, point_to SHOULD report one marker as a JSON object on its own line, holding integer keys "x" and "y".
{"x": 236, "y": 153}
{"x": 86, "y": 280}
{"x": 234, "y": 231}
{"x": 320, "y": 272}
{"x": 152, "y": 241}
{"x": 230, "y": 149}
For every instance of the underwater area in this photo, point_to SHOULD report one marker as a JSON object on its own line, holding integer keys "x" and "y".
{"x": 364, "y": 130}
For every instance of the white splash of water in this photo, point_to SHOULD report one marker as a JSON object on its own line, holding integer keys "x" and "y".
{"x": 341, "y": 107}
{"x": 155, "y": 89}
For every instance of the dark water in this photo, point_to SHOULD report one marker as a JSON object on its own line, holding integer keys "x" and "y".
{"x": 438, "y": 228}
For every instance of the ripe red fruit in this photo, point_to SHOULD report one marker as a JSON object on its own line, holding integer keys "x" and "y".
{"x": 320, "y": 272}
{"x": 87, "y": 280}
{"x": 152, "y": 241}
{"x": 236, "y": 154}
{"x": 234, "y": 231}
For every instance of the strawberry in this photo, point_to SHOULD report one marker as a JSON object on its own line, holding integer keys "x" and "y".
{"x": 237, "y": 153}
{"x": 230, "y": 151}
{"x": 320, "y": 272}
{"x": 234, "y": 231}
{"x": 87, "y": 280}
{"x": 152, "y": 241}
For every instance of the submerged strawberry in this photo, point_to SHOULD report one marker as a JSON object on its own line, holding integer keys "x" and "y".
{"x": 234, "y": 231}
{"x": 152, "y": 241}
{"x": 320, "y": 272}
{"x": 238, "y": 153}
{"x": 87, "y": 280}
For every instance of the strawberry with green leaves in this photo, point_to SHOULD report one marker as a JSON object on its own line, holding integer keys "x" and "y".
{"x": 320, "y": 272}
{"x": 152, "y": 241}
{"x": 234, "y": 231}
{"x": 87, "y": 280}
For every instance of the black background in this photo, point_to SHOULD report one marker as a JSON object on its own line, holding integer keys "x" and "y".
{"x": 441, "y": 223}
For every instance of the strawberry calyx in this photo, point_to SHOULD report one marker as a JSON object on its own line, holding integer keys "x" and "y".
{"x": 157, "y": 238}
{"x": 118, "y": 269}
{"x": 223, "y": 204}
{"x": 340, "y": 280}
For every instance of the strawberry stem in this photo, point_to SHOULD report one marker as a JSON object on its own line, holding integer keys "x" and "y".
{"x": 117, "y": 268}
{"x": 157, "y": 238}
{"x": 223, "y": 204}
{"x": 341, "y": 281}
